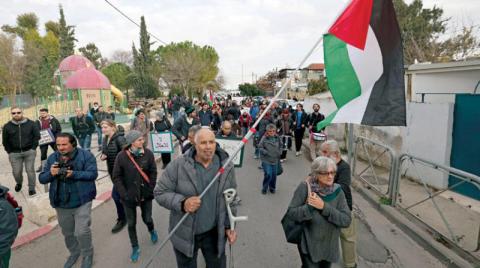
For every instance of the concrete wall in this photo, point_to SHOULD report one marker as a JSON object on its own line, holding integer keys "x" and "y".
{"x": 428, "y": 135}
{"x": 445, "y": 81}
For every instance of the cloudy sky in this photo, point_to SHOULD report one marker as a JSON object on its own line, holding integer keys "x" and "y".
{"x": 251, "y": 36}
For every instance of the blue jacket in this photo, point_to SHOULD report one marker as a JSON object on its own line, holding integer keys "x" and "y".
{"x": 84, "y": 175}
{"x": 205, "y": 117}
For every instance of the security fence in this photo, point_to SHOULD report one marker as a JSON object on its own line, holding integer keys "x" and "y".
{"x": 404, "y": 182}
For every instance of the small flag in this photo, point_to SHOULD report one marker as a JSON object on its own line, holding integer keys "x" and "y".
{"x": 364, "y": 66}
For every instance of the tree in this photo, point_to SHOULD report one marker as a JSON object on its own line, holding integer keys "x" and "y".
{"x": 188, "y": 67}
{"x": 317, "y": 86}
{"x": 40, "y": 55}
{"x": 248, "y": 89}
{"x": 118, "y": 73}
{"x": 91, "y": 52}
{"x": 66, "y": 36}
{"x": 423, "y": 33}
{"x": 122, "y": 56}
{"x": 12, "y": 64}
{"x": 53, "y": 27}
{"x": 268, "y": 81}
{"x": 142, "y": 78}
{"x": 25, "y": 22}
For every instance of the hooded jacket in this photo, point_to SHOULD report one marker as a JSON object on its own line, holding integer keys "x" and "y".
{"x": 8, "y": 222}
{"x": 179, "y": 182}
{"x": 20, "y": 136}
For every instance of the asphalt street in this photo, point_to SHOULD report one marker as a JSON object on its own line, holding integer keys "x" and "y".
{"x": 261, "y": 241}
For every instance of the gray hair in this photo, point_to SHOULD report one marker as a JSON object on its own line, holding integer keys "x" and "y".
{"x": 271, "y": 127}
{"x": 332, "y": 146}
{"x": 322, "y": 164}
{"x": 194, "y": 129}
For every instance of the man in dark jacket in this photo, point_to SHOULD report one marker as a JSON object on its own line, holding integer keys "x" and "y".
{"x": 226, "y": 131}
{"x": 47, "y": 124}
{"x": 20, "y": 138}
{"x": 205, "y": 115}
{"x": 317, "y": 137}
{"x": 300, "y": 121}
{"x": 183, "y": 124}
{"x": 178, "y": 189}
{"x": 8, "y": 227}
{"x": 99, "y": 116}
{"x": 348, "y": 236}
{"x": 83, "y": 127}
{"x": 71, "y": 172}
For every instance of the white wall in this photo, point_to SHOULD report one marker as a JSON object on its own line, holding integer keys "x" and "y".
{"x": 451, "y": 81}
{"x": 428, "y": 135}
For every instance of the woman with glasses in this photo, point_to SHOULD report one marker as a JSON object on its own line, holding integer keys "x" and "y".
{"x": 321, "y": 207}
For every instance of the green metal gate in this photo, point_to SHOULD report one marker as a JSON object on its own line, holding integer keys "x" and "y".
{"x": 465, "y": 154}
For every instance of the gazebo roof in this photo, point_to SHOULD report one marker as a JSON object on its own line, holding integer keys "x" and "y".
{"x": 74, "y": 63}
{"x": 88, "y": 78}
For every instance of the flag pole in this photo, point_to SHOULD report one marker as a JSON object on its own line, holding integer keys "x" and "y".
{"x": 237, "y": 150}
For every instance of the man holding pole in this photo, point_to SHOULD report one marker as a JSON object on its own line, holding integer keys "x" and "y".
{"x": 179, "y": 188}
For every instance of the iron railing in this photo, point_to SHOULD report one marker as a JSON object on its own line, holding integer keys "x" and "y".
{"x": 375, "y": 182}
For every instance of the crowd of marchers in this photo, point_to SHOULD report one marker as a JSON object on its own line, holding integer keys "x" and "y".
{"x": 318, "y": 218}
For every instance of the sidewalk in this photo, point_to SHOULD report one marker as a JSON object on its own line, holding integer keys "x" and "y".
{"x": 461, "y": 213}
{"x": 40, "y": 217}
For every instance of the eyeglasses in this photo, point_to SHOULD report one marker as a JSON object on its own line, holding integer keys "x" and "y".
{"x": 14, "y": 113}
{"x": 333, "y": 173}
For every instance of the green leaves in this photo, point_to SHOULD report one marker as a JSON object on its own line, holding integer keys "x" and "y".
{"x": 188, "y": 67}
{"x": 250, "y": 90}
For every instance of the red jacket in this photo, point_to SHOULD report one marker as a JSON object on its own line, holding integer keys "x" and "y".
{"x": 245, "y": 121}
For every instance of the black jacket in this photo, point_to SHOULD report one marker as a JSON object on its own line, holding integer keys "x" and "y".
{"x": 314, "y": 119}
{"x": 82, "y": 126}
{"x": 129, "y": 182}
{"x": 343, "y": 177}
{"x": 100, "y": 116}
{"x": 162, "y": 125}
{"x": 112, "y": 148}
{"x": 303, "y": 119}
{"x": 20, "y": 137}
{"x": 54, "y": 124}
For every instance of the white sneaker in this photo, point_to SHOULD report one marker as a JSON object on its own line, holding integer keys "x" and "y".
{"x": 298, "y": 153}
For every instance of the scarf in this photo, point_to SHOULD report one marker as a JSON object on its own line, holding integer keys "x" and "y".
{"x": 321, "y": 190}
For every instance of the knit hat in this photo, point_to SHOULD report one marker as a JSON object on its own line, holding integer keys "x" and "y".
{"x": 189, "y": 110}
{"x": 132, "y": 136}
{"x": 160, "y": 114}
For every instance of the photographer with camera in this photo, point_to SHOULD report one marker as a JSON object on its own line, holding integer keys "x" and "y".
{"x": 71, "y": 172}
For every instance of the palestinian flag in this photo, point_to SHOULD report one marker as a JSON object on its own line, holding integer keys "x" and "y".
{"x": 364, "y": 65}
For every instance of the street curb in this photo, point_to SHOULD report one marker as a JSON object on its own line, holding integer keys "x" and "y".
{"x": 41, "y": 231}
{"x": 419, "y": 235}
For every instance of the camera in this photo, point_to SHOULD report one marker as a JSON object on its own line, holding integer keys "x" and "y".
{"x": 63, "y": 168}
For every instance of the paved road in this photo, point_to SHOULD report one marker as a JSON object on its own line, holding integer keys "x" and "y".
{"x": 261, "y": 242}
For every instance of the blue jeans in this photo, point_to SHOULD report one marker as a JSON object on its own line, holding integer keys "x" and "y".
{"x": 118, "y": 205}
{"x": 269, "y": 176}
{"x": 85, "y": 142}
{"x": 99, "y": 136}
{"x": 175, "y": 115}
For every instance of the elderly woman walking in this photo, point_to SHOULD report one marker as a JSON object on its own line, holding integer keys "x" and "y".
{"x": 321, "y": 207}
